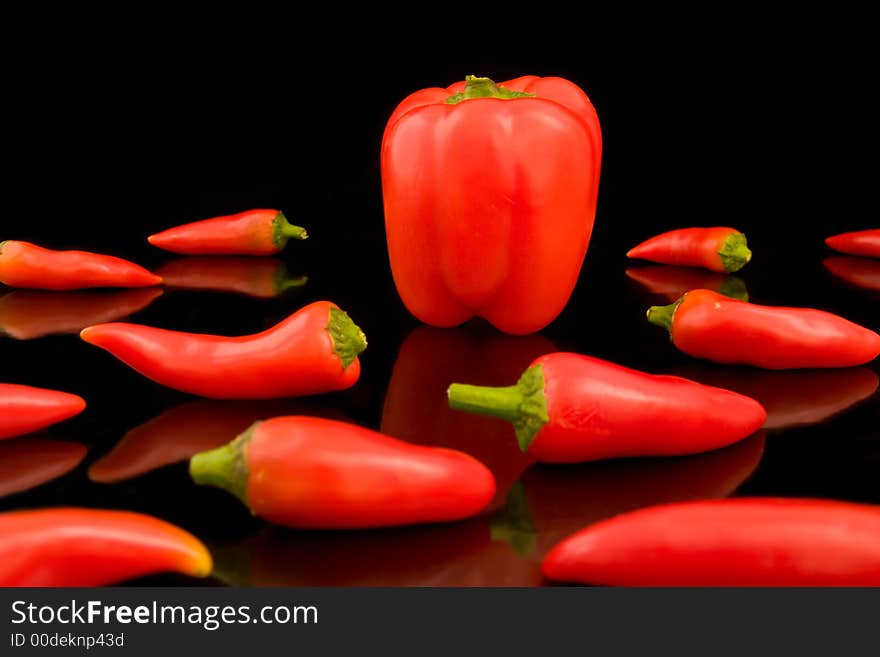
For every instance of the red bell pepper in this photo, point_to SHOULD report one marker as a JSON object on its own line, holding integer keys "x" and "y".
{"x": 29, "y": 266}
{"x": 30, "y": 462}
{"x": 24, "y": 409}
{"x": 182, "y": 432}
{"x": 736, "y": 542}
{"x": 255, "y": 232}
{"x": 490, "y": 196}
{"x": 859, "y": 272}
{"x": 27, "y": 314}
{"x": 254, "y": 277}
{"x": 718, "y": 249}
{"x": 309, "y": 472}
{"x": 415, "y": 402}
{"x": 313, "y": 351}
{"x": 89, "y": 547}
{"x": 792, "y": 398}
{"x": 669, "y": 283}
{"x": 568, "y": 408}
{"x": 708, "y": 325}
{"x": 858, "y": 243}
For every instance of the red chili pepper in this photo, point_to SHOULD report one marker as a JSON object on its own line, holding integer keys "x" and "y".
{"x": 255, "y": 277}
{"x": 568, "y": 408}
{"x": 30, "y": 266}
{"x": 859, "y": 243}
{"x": 89, "y": 547}
{"x": 310, "y": 472}
{"x": 795, "y": 398}
{"x": 24, "y": 409}
{"x": 182, "y": 432}
{"x": 718, "y": 249}
{"x": 670, "y": 283}
{"x": 25, "y": 314}
{"x": 711, "y": 326}
{"x": 30, "y": 462}
{"x": 255, "y": 232}
{"x": 490, "y": 196}
{"x": 313, "y": 351}
{"x": 859, "y": 272}
{"x": 736, "y": 542}
{"x": 415, "y": 402}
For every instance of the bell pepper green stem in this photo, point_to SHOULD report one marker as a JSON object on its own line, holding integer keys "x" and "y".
{"x": 476, "y": 87}
{"x": 224, "y": 467}
{"x": 524, "y": 404}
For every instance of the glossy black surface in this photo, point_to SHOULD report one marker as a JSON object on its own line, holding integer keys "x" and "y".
{"x": 681, "y": 148}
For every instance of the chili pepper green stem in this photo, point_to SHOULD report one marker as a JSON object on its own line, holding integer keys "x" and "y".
{"x": 524, "y": 404}
{"x": 283, "y": 230}
{"x": 734, "y": 253}
{"x": 663, "y": 315}
{"x": 348, "y": 339}
{"x": 476, "y": 87}
{"x": 224, "y": 467}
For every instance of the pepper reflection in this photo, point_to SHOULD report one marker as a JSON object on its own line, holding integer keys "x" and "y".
{"x": 669, "y": 283}
{"x": 27, "y": 314}
{"x": 858, "y": 272}
{"x": 254, "y": 277}
{"x": 504, "y": 549}
{"x": 26, "y": 463}
{"x": 416, "y": 407}
{"x": 792, "y": 398}
{"x": 183, "y": 431}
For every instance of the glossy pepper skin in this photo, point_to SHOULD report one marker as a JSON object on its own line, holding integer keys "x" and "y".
{"x": 30, "y": 314}
{"x": 30, "y": 462}
{"x": 708, "y": 325}
{"x": 26, "y": 265}
{"x": 859, "y": 272}
{"x": 719, "y": 249}
{"x": 570, "y": 408}
{"x": 309, "y": 472}
{"x": 735, "y": 542}
{"x": 490, "y": 197}
{"x": 255, "y": 232}
{"x": 263, "y": 278}
{"x": 24, "y": 409}
{"x": 89, "y": 547}
{"x": 859, "y": 243}
{"x": 313, "y": 351}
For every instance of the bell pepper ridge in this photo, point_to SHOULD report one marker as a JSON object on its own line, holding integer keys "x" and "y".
{"x": 524, "y": 404}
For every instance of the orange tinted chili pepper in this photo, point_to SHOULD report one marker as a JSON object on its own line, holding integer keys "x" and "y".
{"x": 718, "y": 249}
{"x": 24, "y": 409}
{"x": 89, "y": 547}
{"x": 313, "y": 351}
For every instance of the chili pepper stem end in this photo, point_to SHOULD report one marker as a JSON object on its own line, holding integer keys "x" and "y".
{"x": 663, "y": 315}
{"x": 734, "y": 253}
{"x": 283, "y": 230}
{"x": 524, "y": 404}
{"x": 347, "y": 337}
{"x": 224, "y": 467}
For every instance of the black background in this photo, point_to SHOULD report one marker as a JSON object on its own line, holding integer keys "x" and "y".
{"x": 772, "y": 131}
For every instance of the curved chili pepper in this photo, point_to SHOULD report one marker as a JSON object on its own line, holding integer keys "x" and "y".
{"x": 29, "y": 266}
{"x": 254, "y": 277}
{"x": 490, "y": 196}
{"x": 707, "y": 325}
{"x": 795, "y": 398}
{"x": 670, "y": 283}
{"x": 310, "y": 472}
{"x": 569, "y": 408}
{"x": 24, "y": 409}
{"x": 255, "y": 232}
{"x": 30, "y": 462}
{"x": 313, "y": 351}
{"x": 25, "y": 314}
{"x": 719, "y": 249}
{"x": 736, "y": 542}
{"x": 89, "y": 547}
{"x": 415, "y": 402}
{"x": 182, "y": 432}
{"x": 859, "y": 243}
{"x": 859, "y": 272}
